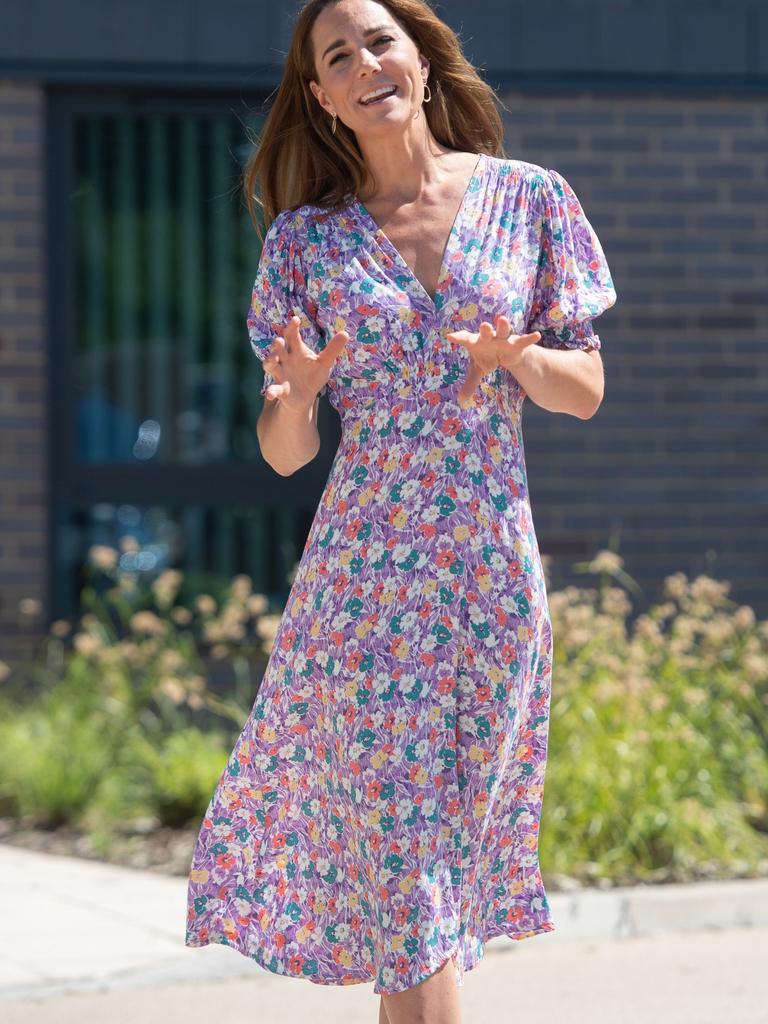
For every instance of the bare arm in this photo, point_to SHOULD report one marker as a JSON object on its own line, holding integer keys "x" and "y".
{"x": 562, "y": 381}
{"x": 569, "y": 381}
{"x": 287, "y": 426}
{"x": 288, "y": 440}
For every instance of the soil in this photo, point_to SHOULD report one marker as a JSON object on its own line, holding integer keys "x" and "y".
{"x": 168, "y": 851}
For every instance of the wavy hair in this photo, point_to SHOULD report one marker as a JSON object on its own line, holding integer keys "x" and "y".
{"x": 297, "y": 159}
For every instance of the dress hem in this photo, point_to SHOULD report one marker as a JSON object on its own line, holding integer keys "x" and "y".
{"x": 352, "y": 979}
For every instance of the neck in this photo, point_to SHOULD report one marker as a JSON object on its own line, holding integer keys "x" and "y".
{"x": 404, "y": 169}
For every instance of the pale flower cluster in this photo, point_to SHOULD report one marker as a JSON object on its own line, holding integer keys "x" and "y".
{"x": 138, "y": 640}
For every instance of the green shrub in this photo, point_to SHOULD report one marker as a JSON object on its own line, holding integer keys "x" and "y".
{"x": 131, "y": 682}
{"x": 658, "y": 731}
{"x": 178, "y": 776}
{"x": 52, "y": 761}
{"x": 658, "y": 759}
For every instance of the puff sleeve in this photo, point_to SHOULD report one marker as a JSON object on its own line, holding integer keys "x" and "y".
{"x": 279, "y": 292}
{"x": 573, "y": 283}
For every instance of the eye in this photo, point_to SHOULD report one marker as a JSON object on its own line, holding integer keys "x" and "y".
{"x": 340, "y": 55}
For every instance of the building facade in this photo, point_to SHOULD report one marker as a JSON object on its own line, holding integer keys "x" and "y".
{"x": 128, "y": 391}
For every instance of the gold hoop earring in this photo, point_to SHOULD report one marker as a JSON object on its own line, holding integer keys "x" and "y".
{"x": 426, "y": 88}
{"x": 333, "y": 128}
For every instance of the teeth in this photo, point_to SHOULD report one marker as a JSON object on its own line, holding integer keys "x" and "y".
{"x": 379, "y": 92}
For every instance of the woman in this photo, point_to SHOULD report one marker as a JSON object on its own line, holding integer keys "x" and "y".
{"x": 378, "y": 818}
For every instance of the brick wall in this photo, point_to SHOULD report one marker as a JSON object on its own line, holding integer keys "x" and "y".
{"x": 23, "y": 369}
{"x": 672, "y": 471}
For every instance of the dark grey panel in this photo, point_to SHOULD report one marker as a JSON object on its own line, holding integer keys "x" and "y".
{"x": 243, "y": 32}
{"x": 759, "y": 36}
{"x": 710, "y": 37}
{"x": 85, "y": 30}
{"x": 491, "y": 43}
{"x": 557, "y": 37}
{"x": 229, "y": 37}
{"x": 636, "y": 38}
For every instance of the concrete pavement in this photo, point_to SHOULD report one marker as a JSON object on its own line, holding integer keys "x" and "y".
{"x": 83, "y": 940}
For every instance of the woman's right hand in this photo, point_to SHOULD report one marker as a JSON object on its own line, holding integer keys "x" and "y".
{"x": 299, "y": 372}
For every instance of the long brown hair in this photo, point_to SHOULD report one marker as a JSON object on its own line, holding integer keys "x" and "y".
{"x": 299, "y": 160}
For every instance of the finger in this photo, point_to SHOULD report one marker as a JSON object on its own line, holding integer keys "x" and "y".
{"x": 338, "y": 341}
{"x": 503, "y": 326}
{"x": 531, "y": 338}
{"x": 328, "y": 356}
{"x": 522, "y": 340}
{"x": 278, "y": 347}
{"x": 292, "y": 331}
{"x": 293, "y": 334}
{"x": 275, "y": 372}
{"x": 273, "y": 357}
{"x": 334, "y": 348}
{"x": 461, "y": 337}
{"x": 468, "y": 388}
{"x": 275, "y": 391}
{"x": 512, "y": 348}
{"x": 467, "y": 338}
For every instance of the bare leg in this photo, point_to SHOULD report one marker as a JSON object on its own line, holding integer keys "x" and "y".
{"x": 433, "y": 1001}
{"x": 383, "y": 1018}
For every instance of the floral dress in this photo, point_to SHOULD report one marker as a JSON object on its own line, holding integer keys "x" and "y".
{"x": 380, "y": 810}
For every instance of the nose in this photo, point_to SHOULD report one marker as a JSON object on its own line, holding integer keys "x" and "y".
{"x": 369, "y": 61}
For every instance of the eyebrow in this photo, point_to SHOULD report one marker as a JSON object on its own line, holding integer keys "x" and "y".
{"x": 342, "y": 42}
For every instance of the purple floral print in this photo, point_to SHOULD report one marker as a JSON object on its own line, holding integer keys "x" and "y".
{"x": 380, "y": 810}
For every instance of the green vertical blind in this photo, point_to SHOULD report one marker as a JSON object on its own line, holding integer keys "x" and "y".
{"x": 210, "y": 544}
{"x": 166, "y": 256}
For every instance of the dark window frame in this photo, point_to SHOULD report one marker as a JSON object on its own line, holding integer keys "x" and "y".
{"x": 74, "y": 485}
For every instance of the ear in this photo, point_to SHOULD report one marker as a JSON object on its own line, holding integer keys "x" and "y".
{"x": 320, "y": 96}
{"x": 424, "y": 65}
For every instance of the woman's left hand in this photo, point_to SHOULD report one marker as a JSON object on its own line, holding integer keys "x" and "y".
{"x": 489, "y": 349}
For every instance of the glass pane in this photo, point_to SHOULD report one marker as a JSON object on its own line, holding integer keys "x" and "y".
{"x": 210, "y": 545}
{"x": 165, "y": 259}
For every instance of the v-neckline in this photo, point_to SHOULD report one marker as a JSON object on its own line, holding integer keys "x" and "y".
{"x": 384, "y": 242}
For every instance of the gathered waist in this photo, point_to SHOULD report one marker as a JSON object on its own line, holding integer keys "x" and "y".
{"x": 418, "y": 393}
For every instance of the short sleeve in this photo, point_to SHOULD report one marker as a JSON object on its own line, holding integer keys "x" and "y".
{"x": 279, "y": 292}
{"x": 573, "y": 283}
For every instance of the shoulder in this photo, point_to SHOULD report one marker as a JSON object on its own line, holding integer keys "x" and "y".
{"x": 283, "y": 226}
{"x": 548, "y": 191}
{"x": 520, "y": 168}
{"x": 289, "y": 231}
{"x": 302, "y": 224}
{"x": 278, "y": 236}
{"x": 537, "y": 180}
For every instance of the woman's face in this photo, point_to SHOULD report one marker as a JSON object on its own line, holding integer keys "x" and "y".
{"x": 366, "y": 61}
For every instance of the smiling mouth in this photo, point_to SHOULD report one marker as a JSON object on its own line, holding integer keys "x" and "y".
{"x": 379, "y": 99}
